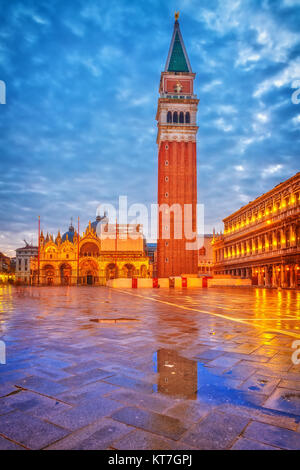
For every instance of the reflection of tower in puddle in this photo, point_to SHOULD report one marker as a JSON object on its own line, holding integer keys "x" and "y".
{"x": 177, "y": 375}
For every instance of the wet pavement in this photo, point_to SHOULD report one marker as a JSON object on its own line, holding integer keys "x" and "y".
{"x": 99, "y": 368}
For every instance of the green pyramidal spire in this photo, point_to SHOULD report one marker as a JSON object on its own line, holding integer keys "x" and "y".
{"x": 177, "y": 60}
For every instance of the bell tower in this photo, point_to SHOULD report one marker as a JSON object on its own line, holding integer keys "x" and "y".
{"x": 177, "y": 163}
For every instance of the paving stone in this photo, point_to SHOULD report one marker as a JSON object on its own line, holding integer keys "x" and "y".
{"x": 35, "y": 404}
{"x": 263, "y": 415}
{"x": 142, "y": 440}
{"x": 83, "y": 367}
{"x": 42, "y": 385}
{"x": 6, "y": 389}
{"x": 11, "y": 377}
{"x": 248, "y": 444}
{"x": 85, "y": 413}
{"x": 149, "y": 421}
{"x": 209, "y": 354}
{"x": 224, "y": 361}
{"x": 128, "y": 382}
{"x": 286, "y": 400}
{"x": 189, "y": 411}
{"x": 51, "y": 374}
{"x": 97, "y": 436}
{"x": 291, "y": 385}
{"x": 260, "y": 384}
{"x": 29, "y": 431}
{"x": 86, "y": 393}
{"x": 273, "y": 435}
{"x": 216, "y": 431}
{"x": 143, "y": 400}
{"x": 5, "y": 444}
{"x": 85, "y": 378}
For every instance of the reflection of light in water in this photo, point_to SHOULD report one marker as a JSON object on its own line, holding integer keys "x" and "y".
{"x": 6, "y": 298}
{"x": 177, "y": 374}
{"x": 205, "y": 386}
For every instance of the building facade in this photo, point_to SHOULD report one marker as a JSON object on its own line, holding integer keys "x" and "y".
{"x": 177, "y": 165}
{"x": 4, "y": 263}
{"x": 104, "y": 251}
{"x": 205, "y": 256}
{"x": 23, "y": 259}
{"x": 261, "y": 240}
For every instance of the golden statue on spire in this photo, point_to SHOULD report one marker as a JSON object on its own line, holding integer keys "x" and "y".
{"x": 176, "y": 15}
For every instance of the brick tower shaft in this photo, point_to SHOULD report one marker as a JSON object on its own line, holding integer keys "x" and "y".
{"x": 177, "y": 164}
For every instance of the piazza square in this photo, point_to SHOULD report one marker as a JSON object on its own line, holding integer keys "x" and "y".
{"x": 150, "y": 229}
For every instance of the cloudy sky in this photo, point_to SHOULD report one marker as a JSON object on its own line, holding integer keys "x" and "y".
{"x": 78, "y": 127}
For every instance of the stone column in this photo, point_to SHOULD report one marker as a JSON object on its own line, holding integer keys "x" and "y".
{"x": 282, "y": 276}
{"x": 293, "y": 241}
{"x": 267, "y": 277}
{"x": 259, "y": 241}
{"x": 260, "y": 277}
{"x": 293, "y": 276}
{"x": 274, "y": 276}
{"x": 282, "y": 237}
{"x": 267, "y": 246}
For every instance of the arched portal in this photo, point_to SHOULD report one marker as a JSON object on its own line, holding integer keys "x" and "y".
{"x": 89, "y": 272}
{"x": 128, "y": 270}
{"x": 89, "y": 249}
{"x": 111, "y": 271}
{"x": 65, "y": 274}
{"x": 48, "y": 274}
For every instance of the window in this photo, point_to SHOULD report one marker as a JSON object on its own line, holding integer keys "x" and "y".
{"x": 169, "y": 116}
{"x": 166, "y": 162}
{"x": 166, "y": 178}
{"x": 202, "y": 251}
{"x": 175, "y": 117}
{"x": 187, "y": 118}
{"x": 167, "y": 147}
{"x": 181, "y": 118}
{"x": 166, "y": 260}
{"x": 166, "y": 194}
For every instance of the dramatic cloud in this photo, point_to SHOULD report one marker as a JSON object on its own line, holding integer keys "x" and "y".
{"x": 78, "y": 127}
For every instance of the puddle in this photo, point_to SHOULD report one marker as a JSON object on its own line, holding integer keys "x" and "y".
{"x": 112, "y": 320}
{"x": 180, "y": 377}
{"x": 291, "y": 397}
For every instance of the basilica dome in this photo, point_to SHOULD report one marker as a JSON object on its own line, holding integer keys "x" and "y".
{"x": 70, "y": 234}
{"x": 99, "y": 219}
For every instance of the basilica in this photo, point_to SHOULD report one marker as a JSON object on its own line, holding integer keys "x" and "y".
{"x": 104, "y": 251}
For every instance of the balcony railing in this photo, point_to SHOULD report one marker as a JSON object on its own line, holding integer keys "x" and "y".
{"x": 266, "y": 221}
{"x": 293, "y": 250}
{"x": 178, "y": 96}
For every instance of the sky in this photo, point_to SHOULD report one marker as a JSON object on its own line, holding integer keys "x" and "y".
{"x": 78, "y": 127}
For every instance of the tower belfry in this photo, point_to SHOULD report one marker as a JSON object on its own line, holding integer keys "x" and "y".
{"x": 177, "y": 163}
